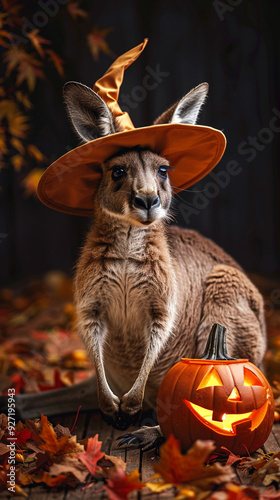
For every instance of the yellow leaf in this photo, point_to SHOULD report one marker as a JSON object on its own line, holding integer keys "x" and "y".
{"x": 159, "y": 486}
{"x": 17, "y": 162}
{"x": 31, "y": 181}
{"x": 34, "y": 152}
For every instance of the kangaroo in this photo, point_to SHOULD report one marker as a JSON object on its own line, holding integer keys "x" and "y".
{"x": 147, "y": 293}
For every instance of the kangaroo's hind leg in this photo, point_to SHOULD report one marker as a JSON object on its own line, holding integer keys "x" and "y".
{"x": 233, "y": 301}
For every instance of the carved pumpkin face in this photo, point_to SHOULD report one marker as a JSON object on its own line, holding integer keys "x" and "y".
{"x": 228, "y": 401}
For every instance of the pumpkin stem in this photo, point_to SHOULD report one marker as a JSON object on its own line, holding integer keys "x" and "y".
{"x": 216, "y": 347}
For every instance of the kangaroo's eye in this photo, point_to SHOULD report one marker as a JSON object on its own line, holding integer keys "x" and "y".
{"x": 118, "y": 173}
{"x": 162, "y": 172}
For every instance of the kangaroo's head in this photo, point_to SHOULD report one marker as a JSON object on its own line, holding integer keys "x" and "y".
{"x": 135, "y": 184}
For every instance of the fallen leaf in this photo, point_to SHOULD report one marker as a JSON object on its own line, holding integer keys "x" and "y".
{"x": 4, "y": 449}
{"x": 56, "y": 447}
{"x": 120, "y": 484}
{"x": 92, "y": 454}
{"x": 3, "y": 421}
{"x": 111, "y": 461}
{"x": 176, "y": 468}
{"x": 22, "y": 436}
{"x": 46, "y": 478}
{"x": 234, "y": 491}
{"x": 70, "y": 465}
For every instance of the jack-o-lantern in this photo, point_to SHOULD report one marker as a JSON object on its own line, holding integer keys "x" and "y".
{"x": 216, "y": 397}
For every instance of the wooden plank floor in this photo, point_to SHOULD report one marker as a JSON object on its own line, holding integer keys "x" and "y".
{"x": 89, "y": 424}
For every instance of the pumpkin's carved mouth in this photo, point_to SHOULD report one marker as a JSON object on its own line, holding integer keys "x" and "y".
{"x": 227, "y": 425}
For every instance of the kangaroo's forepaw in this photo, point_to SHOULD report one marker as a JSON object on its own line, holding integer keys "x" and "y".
{"x": 146, "y": 438}
{"x": 121, "y": 420}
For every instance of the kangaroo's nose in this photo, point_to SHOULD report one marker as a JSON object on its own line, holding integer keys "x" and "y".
{"x": 146, "y": 202}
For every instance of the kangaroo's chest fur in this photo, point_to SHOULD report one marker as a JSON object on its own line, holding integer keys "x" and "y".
{"x": 131, "y": 276}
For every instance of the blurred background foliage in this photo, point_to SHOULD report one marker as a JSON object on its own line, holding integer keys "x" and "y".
{"x": 45, "y": 43}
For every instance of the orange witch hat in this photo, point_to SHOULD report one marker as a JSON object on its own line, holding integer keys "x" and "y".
{"x": 69, "y": 184}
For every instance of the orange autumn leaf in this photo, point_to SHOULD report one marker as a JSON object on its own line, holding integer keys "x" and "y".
{"x": 97, "y": 42}
{"x": 26, "y": 65}
{"x": 120, "y": 484}
{"x": 37, "y": 41}
{"x": 57, "y": 61}
{"x": 56, "y": 447}
{"x": 176, "y": 468}
{"x": 46, "y": 478}
{"x": 92, "y": 454}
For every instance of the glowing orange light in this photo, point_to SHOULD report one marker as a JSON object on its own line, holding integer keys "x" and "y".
{"x": 234, "y": 395}
{"x": 210, "y": 379}
{"x": 229, "y": 420}
{"x": 250, "y": 378}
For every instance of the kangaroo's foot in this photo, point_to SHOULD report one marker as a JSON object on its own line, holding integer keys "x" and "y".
{"x": 146, "y": 438}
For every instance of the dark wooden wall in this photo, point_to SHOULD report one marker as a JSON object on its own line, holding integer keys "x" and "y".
{"x": 234, "y": 45}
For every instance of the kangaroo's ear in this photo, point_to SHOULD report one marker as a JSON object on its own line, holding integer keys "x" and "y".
{"x": 187, "y": 109}
{"x": 89, "y": 114}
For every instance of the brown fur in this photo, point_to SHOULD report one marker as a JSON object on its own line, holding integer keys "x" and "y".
{"x": 147, "y": 293}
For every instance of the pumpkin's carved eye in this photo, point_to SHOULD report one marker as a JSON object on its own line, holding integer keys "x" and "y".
{"x": 210, "y": 379}
{"x": 250, "y": 378}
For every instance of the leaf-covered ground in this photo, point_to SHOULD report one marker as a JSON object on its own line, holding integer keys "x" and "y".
{"x": 39, "y": 348}
{"x": 40, "y": 351}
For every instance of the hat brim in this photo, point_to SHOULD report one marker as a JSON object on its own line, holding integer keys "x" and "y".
{"x": 70, "y": 183}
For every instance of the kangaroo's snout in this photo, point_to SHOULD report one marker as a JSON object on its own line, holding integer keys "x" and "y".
{"x": 146, "y": 202}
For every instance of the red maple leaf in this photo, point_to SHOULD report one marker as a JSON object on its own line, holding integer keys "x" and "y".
{"x": 22, "y": 436}
{"x": 91, "y": 456}
{"x": 120, "y": 484}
